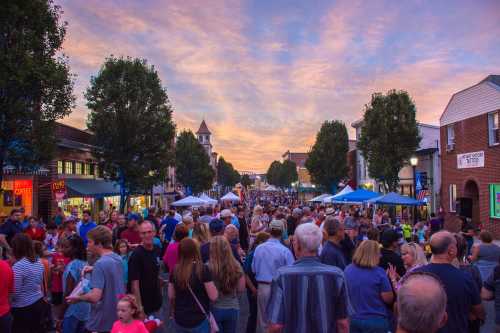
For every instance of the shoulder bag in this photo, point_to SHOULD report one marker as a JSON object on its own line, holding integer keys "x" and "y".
{"x": 210, "y": 317}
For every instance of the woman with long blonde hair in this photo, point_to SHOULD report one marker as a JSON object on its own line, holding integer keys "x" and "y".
{"x": 229, "y": 280}
{"x": 190, "y": 288}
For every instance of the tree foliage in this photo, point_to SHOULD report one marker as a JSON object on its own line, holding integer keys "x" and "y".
{"x": 36, "y": 87}
{"x": 192, "y": 164}
{"x": 282, "y": 174}
{"x": 389, "y": 136}
{"x": 226, "y": 174}
{"x": 246, "y": 180}
{"x": 327, "y": 160}
{"x": 131, "y": 118}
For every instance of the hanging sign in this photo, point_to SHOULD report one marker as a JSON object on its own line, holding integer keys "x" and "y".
{"x": 58, "y": 189}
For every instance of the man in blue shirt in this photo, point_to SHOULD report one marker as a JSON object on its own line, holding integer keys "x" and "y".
{"x": 332, "y": 254}
{"x": 87, "y": 225}
{"x": 13, "y": 225}
{"x": 268, "y": 258}
{"x": 168, "y": 225}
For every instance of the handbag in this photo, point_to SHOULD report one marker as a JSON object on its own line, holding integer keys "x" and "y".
{"x": 211, "y": 320}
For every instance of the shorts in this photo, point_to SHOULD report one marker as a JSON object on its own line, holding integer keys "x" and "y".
{"x": 56, "y": 298}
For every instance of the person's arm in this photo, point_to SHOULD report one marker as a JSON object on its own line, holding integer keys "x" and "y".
{"x": 70, "y": 285}
{"x": 250, "y": 285}
{"x": 478, "y": 311}
{"x": 135, "y": 289}
{"x": 241, "y": 283}
{"x": 487, "y": 295}
{"x": 211, "y": 290}
{"x": 387, "y": 297}
{"x": 275, "y": 328}
{"x": 343, "y": 325}
{"x": 474, "y": 253}
{"x": 93, "y": 296}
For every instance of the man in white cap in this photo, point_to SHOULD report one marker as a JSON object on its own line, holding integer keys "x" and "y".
{"x": 227, "y": 216}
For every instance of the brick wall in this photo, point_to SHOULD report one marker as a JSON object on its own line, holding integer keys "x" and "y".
{"x": 471, "y": 135}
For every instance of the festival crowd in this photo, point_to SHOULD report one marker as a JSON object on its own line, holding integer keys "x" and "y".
{"x": 300, "y": 268}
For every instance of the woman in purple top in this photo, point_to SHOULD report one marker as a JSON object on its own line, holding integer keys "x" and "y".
{"x": 369, "y": 290}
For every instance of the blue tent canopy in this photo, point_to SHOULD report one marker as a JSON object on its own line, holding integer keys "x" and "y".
{"x": 360, "y": 195}
{"x": 91, "y": 188}
{"x": 395, "y": 199}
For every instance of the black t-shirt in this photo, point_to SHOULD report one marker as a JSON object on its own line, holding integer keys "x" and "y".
{"x": 466, "y": 228}
{"x": 187, "y": 313}
{"x": 144, "y": 266}
{"x": 243, "y": 233}
{"x": 390, "y": 257}
{"x": 462, "y": 294}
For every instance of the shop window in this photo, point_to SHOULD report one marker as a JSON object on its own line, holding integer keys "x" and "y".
{"x": 453, "y": 197}
{"x": 494, "y": 200}
{"x": 450, "y": 138}
{"x": 78, "y": 168}
{"x": 494, "y": 128}
{"x": 86, "y": 169}
{"x": 68, "y": 167}
{"x": 60, "y": 167}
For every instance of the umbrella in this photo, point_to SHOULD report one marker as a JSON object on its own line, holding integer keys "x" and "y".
{"x": 360, "y": 195}
{"x": 345, "y": 190}
{"x": 320, "y": 198}
{"x": 395, "y": 199}
{"x": 209, "y": 200}
{"x": 230, "y": 196}
{"x": 189, "y": 201}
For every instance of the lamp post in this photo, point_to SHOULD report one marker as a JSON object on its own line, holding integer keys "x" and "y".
{"x": 414, "y": 162}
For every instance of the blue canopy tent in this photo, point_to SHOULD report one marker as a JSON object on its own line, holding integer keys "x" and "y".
{"x": 395, "y": 199}
{"x": 358, "y": 196}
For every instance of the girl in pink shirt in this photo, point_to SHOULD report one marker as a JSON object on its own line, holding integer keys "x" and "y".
{"x": 128, "y": 317}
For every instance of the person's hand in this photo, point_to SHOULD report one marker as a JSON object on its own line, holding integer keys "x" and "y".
{"x": 391, "y": 272}
{"x": 72, "y": 299}
{"x": 87, "y": 269}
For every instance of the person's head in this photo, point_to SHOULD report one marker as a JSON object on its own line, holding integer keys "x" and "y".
{"x": 69, "y": 225}
{"x": 367, "y": 254}
{"x": 33, "y": 222}
{"x": 486, "y": 237}
{"x": 307, "y": 239}
{"x": 147, "y": 231}
{"x": 223, "y": 266}
{"x": 201, "y": 232}
{"x": 16, "y": 215}
{"x": 443, "y": 246}
{"x": 86, "y": 215}
{"x": 461, "y": 247}
{"x": 421, "y": 304}
{"x": 209, "y": 211}
{"x": 231, "y": 232}
{"x": 226, "y": 215}
{"x": 188, "y": 221}
{"x": 127, "y": 309}
{"x": 180, "y": 232}
{"x": 122, "y": 247}
{"x": 260, "y": 238}
{"x": 114, "y": 216}
{"x": 189, "y": 256}
{"x": 306, "y": 211}
{"x": 258, "y": 210}
{"x": 133, "y": 220}
{"x": 334, "y": 228}
{"x": 276, "y": 228}
{"x": 389, "y": 239}
{"x": 122, "y": 220}
{"x": 22, "y": 247}
{"x": 412, "y": 255}
{"x": 99, "y": 240}
{"x": 297, "y": 213}
{"x": 216, "y": 227}
{"x": 39, "y": 249}
{"x": 51, "y": 228}
{"x": 73, "y": 247}
{"x": 171, "y": 213}
{"x": 74, "y": 212}
{"x": 373, "y": 234}
{"x": 102, "y": 216}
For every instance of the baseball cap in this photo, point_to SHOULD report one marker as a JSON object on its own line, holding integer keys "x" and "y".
{"x": 216, "y": 226}
{"x": 330, "y": 211}
{"x": 225, "y": 213}
{"x": 276, "y": 225}
{"x": 297, "y": 211}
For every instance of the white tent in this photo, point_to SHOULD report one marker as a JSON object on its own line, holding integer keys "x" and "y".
{"x": 320, "y": 198}
{"x": 230, "y": 196}
{"x": 345, "y": 190}
{"x": 271, "y": 188}
{"x": 209, "y": 200}
{"x": 190, "y": 201}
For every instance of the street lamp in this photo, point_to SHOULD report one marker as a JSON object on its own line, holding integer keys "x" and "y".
{"x": 414, "y": 162}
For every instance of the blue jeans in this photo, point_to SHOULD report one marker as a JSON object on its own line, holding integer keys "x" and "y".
{"x": 375, "y": 325}
{"x": 73, "y": 325}
{"x": 204, "y": 327}
{"x": 227, "y": 319}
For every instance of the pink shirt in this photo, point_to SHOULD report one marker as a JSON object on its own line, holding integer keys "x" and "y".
{"x": 171, "y": 256}
{"x": 136, "y": 326}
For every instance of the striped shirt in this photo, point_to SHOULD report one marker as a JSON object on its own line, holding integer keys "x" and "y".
{"x": 308, "y": 296}
{"x": 28, "y": 279}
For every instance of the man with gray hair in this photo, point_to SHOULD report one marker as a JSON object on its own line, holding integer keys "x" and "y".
{"x": 461, "y": 290}
{"x": 308, "y": 296}
{"x": 421, "y": 304}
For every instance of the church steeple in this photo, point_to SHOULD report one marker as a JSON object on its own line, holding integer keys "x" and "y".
{"x": 203, "y": 128}
{"x": 203, "y": 134}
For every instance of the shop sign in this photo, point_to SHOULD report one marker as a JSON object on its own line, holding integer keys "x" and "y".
{"x": 470, "y": 160}
{"x": 58, "y": 189}
{"x": 24, "y": 186}
{"x": 495, "y": 200}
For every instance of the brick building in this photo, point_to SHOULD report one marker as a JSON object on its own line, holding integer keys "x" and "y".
{"x": 470, "y": 158}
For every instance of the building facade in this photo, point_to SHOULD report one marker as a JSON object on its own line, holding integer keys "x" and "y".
{"x": 470, "y": 159}
{"x": 204, "y": 136}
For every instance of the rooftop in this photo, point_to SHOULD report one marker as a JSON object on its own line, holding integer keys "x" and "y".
{"x": 203, "y": 128}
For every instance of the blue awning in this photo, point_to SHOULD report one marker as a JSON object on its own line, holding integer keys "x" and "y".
{"x": 396, "y": 199}
{"x": 91, "y": 188}
{"x": 360, "y": 195}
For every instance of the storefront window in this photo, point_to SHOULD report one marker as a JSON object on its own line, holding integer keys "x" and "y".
{"x": 68, "y": 167}
{"x": 453, "y": 197}
{"x": 79, "y": 203}
{"x": 78, "y": 168}
{"x": 60, "y": 169}
{"x": 495, "y": 200}
{"x": 86, "y": 169}
{"x": 16, "y": 194}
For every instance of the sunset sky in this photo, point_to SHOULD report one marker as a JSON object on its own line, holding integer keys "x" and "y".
{"x": 265, "y": 74}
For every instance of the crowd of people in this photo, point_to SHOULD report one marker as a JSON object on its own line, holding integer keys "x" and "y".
{"x": 300, "y": 267}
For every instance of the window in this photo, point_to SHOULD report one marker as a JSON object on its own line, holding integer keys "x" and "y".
{"x": 493, "y": 128}
{"x": 450, "y": 138}
{"x": 60, "y": 167}
{"x": 68, "y": 167}
{"x": 86, "y": 169}
{"x": 78, "y": 168}
{"x": 453, "y": 197}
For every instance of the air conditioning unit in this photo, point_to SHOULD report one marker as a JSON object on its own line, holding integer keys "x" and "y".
{"x": 450, "y": 146}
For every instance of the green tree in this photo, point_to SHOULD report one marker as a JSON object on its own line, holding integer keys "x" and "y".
{"x": 274, "y": 173}
{"x": 226, "y": 174}
{"x": 389, "y": 136}
{"x": 131, "y": 118}
{"x": 327, "y": 160}
{"x": 288, "y": 173}
{"x": 192, "y": 164}
{"x": 36, "y": 87}
{"x": 246, "y": 180}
